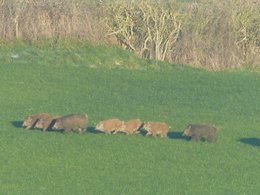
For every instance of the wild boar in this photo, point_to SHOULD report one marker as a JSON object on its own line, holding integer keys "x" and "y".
{"x": 31, "y": 121}
{"x": 154, "y": 128}
{"x": 46, "y": 123}
{"x": 70, "y": 122}
{"x": 110, "y": 125}
{"x": 132, "y": 126}
{"x": 200, "y": 132}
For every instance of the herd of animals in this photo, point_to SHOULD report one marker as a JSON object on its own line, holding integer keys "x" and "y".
{"x": 79, "y": 122}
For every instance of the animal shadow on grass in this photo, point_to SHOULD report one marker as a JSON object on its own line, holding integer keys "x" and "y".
{"x": 18, "y": 124}
{"x": 93, "y": 130}
{"x": 251, "y": 141}
{"x": 177, "y": 135}
{"x": 142, "y": 132}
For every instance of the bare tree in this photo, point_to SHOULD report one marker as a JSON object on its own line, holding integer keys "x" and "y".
{"x": 143, "y": 28}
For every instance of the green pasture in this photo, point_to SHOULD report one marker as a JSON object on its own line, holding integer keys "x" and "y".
{"x": 106, "y": 82}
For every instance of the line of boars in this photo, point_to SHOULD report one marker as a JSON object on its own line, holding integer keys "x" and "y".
{"x": 79, "y": 122}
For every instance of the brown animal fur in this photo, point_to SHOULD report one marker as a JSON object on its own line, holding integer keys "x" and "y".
{"x": 31, "y": 121}
{"x": 132, "y": 126}
{"x": 110, "y": 125}
{"x": 71, "y": 121}
{"x": 154, "y": 128}
{"x": 200, "y": 132}
{"x": 46, "y": 123}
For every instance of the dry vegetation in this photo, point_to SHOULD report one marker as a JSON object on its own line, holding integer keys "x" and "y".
{"x": 217, "y": 34}
{"x": 43, "y": 19}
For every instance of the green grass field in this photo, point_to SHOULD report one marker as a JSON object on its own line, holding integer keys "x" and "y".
{"x": 84, "y": 80}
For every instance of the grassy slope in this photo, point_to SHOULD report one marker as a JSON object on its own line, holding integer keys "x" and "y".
{"x": 55, "y": 81}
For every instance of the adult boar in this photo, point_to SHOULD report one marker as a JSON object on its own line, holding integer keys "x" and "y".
{"x": 200, "y": 132}
{"x": 70, "y": 122}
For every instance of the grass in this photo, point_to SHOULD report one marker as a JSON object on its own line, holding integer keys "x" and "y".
{"x": 52, "y": 79}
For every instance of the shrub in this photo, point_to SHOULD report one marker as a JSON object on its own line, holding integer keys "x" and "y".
{"x": 41, "y": 19}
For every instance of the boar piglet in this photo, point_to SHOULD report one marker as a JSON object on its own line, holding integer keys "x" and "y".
{"x": 154, "y": 128}
{"x": 132, "y": 126}
{"x": 31, "y": 121}
{"x": 200, "y": 132}
{"x": 46, "y": 123}
{"x": 110, "y": 125}
{"x": 70, "y": 122}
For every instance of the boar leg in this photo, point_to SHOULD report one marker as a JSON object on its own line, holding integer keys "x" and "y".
{"x": 136, "y": 132}
{"x": 212, "y": 138}
{"x": 126, "y": 132}
{"x": 164, "y": 134}
{"x": 80, "y": 130}
{"x": 67, "y": 130}
{"x": 195, "y": 138}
